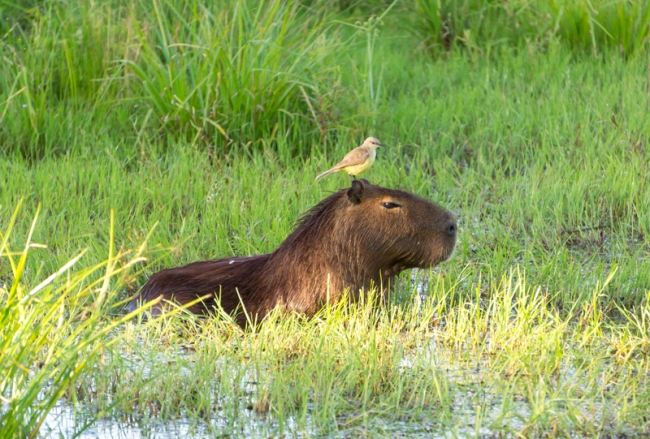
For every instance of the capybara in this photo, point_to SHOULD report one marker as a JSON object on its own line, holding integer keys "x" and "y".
{"x": 356, "y": 238}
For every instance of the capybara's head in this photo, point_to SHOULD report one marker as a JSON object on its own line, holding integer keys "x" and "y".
{"x": 405, "y": 230}
{"x": 384, "y": 229}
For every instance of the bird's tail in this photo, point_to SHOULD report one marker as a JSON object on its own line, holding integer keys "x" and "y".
{"x": 325, "y": 173}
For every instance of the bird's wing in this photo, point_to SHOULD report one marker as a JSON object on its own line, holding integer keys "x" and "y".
{"x": 355, "y": 157}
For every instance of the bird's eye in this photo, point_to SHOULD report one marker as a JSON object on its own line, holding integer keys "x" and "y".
{"x": 390, "y": 205}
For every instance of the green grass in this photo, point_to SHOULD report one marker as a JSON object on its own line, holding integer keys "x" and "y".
{"x": 538, "y": 325}
{"x": 583, "y": 25}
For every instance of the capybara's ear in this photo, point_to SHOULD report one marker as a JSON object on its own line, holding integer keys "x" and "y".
{"x": 356, "y": 191}
{"x": 364, "y": 181}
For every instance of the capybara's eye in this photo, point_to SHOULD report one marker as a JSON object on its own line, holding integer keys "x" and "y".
{"x": 389, "y": 205}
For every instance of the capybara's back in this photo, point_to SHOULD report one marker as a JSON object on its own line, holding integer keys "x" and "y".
{"x": 354, "y": 239}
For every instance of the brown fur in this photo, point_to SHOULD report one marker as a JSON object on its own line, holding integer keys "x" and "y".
{"x": 348, "y": 240}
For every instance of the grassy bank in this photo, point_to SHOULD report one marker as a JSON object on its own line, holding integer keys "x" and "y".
{"x": 202, "y": 129}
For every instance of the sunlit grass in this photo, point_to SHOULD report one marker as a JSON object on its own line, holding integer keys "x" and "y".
{"x": 53, "y": 332}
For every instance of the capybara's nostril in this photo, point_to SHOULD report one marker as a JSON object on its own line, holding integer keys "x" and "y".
{"x": 451, "y": 229}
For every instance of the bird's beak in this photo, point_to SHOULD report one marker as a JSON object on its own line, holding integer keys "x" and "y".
{"x": 381, "y": 144}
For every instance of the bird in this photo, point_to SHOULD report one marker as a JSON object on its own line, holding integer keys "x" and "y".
{"x": 358, "y": 160}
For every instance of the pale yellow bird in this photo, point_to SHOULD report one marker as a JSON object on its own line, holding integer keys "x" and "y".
{"x": 358, "y": 160}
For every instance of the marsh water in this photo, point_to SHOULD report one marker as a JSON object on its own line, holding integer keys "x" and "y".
{"x": 478, "y": 406}
{"x": 477, "y": 409}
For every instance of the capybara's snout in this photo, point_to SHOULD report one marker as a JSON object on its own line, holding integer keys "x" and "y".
{"x": 451, "y": 227}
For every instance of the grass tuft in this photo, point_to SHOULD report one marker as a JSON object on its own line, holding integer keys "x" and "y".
{"x": 52, "y": 333}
